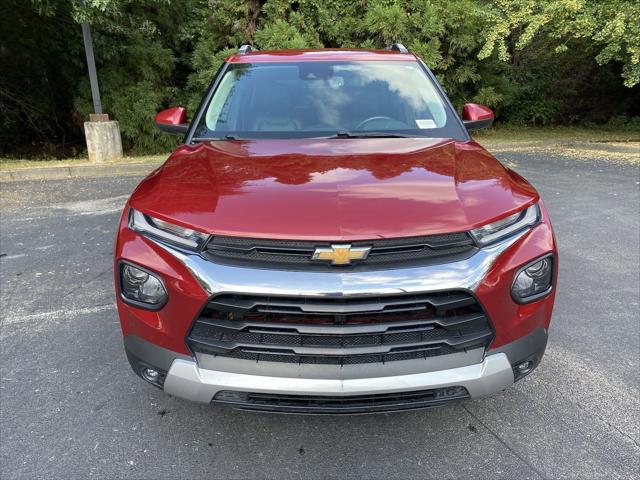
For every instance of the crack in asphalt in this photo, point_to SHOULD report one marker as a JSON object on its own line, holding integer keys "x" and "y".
{"x": 596, "y": 415}
{"x": 84, "y": 284}
{"x": 504, "y": 443}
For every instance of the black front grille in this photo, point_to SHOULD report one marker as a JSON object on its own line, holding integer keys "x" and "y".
{"x": 340, "y": 331}
{"x": 335, "y": 405}
{"x": 429, "y": 249}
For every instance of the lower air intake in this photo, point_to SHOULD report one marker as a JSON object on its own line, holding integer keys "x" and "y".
{"x": 315, "y": 404}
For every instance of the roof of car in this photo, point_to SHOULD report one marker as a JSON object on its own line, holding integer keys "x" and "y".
{"x": 326, "y": 54}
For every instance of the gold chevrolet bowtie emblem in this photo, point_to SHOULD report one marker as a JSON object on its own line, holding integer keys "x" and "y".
{"x": 340, "y": 254}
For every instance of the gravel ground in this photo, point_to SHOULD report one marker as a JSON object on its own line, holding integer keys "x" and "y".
{"x": 71, "y": 407}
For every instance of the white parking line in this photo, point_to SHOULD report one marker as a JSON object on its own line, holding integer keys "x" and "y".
{"x": 100, "y": 206}
{"x": 55, "y": 314}
{"x": 11, "y": 257}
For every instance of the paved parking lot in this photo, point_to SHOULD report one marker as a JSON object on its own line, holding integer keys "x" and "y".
{"x": 71, "y": 408}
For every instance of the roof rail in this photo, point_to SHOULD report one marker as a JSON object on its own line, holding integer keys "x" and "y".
{"x": 246, "y": 48}
{"x": 398, "y": 47}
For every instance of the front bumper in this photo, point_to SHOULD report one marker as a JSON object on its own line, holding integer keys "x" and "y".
{"x": 185, "y": 379}
{"x": 202, "y": 379}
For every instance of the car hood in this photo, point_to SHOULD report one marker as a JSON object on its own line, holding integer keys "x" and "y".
{"x": 332, "y": 189}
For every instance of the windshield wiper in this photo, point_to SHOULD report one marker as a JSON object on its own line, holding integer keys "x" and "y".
{"x": 346, "y": 134}
{"x": 213, "y": 139}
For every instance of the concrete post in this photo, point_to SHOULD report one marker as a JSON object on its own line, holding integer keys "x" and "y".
{"x": 103, "y": 136}
{"x": 103, "y": 141}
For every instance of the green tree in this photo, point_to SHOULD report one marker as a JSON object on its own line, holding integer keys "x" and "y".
{"x": 611, "y": 26}
{"x": 533, "y": 61}
{"x": 141, "y": 51}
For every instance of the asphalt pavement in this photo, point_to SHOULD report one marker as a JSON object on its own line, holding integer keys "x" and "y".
{"x": 70, "y": 407}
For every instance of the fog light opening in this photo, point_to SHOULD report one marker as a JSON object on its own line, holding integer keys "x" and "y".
{"x": 525, "y": 367}
{"x": 152, "y": 376}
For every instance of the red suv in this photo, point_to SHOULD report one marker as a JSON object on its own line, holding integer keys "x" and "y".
{"x": 329, "y": 239}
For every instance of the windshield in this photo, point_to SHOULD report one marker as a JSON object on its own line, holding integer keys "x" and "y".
{"x": 320, "y": 99}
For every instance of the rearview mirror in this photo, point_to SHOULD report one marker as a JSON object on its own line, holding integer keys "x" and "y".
{"x": 476, "y": 116}
{"x": 173, "y": 120}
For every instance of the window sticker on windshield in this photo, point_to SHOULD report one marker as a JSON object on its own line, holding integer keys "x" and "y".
{"x": 426, "y": 123}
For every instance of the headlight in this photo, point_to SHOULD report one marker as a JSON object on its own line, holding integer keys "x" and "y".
{"x": 492, "y": 232}
{"x": 165, "y": 231}
{"x": 141, "y": 287}
{"x": 533, "y": 281}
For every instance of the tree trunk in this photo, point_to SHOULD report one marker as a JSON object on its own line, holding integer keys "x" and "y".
{"x": 253, "y": 12}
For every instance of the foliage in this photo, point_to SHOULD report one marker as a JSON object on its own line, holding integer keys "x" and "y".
{"x": 140, "y": 49}
{"x": 612, "y": 27}
{"x": 535, "y": 62}
{"x": 38, "y": 71}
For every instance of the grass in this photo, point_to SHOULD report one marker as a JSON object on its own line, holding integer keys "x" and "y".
{"x": 616, "y": 145}
{"x": 556, "y": 135}
{"x": 505, "y": 136}
{"x": 18, "y": 163}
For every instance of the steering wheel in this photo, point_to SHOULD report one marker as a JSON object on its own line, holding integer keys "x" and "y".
{"x": 372, "y": 119}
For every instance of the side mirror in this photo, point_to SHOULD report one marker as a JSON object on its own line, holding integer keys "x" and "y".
{"x": 173, "y": 120}
{"x": 476, "y": 116}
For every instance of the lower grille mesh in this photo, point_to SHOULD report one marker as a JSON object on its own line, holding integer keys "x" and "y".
{"x": 349, "y": 404}
{"x": 340, "y": 331}
{"x": 338, "y": 360}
